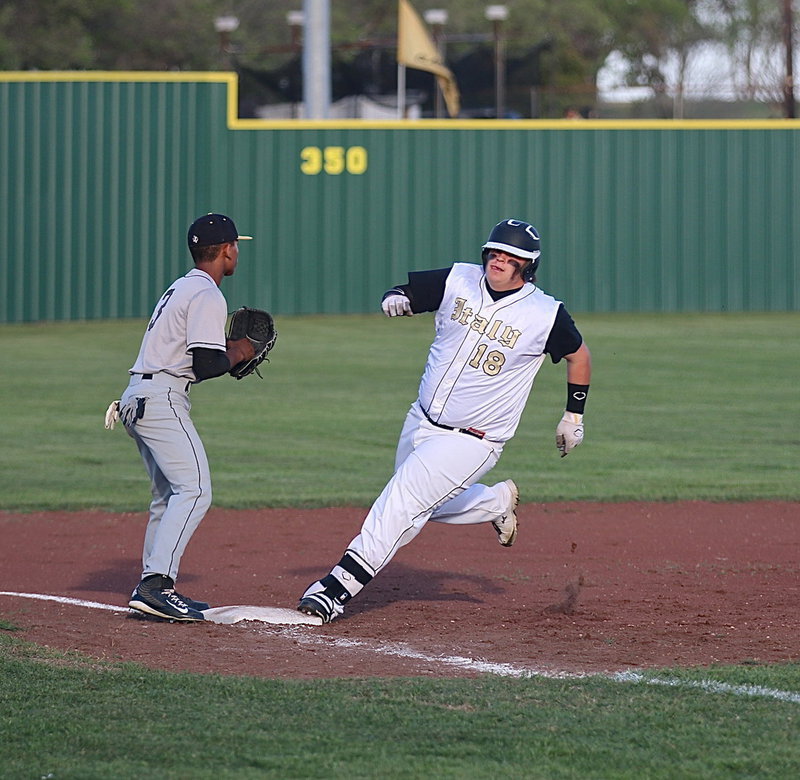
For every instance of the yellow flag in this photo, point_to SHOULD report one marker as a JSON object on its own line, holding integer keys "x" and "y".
{"x": 416, "y": 49}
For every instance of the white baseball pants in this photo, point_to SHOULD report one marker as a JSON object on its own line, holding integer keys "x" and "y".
{"x": 436, "y": 478}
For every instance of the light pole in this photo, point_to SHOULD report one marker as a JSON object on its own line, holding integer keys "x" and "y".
{"x": 225, "y": 25}
{"x": 497, "y": 14}
{"x": 437, "y": 19}
{"x": 317, "y": 58}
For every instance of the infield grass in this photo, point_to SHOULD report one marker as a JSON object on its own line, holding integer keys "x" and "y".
{"x": 65, "y": 717}
{"x": 681, "y": 406}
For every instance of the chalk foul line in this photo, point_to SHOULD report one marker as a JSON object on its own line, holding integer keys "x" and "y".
{"x": 478, "y": 665}
{"x": 65, "y": 600}
{"x": 509, "y": 670}
{"x": 710, "y": 686}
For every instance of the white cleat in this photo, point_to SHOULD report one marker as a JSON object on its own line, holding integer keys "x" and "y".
{"x": 506, "y": 526}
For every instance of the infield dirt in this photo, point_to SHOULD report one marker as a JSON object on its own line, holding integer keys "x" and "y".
{"x": 586, "y": 588}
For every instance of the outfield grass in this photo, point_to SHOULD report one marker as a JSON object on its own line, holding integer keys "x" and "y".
{"x": 681, "y": 407}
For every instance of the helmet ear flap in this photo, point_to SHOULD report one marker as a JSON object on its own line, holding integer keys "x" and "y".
{"x": 529, "y": 274}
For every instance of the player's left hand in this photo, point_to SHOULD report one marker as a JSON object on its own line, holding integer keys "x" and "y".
{"x": 257, "y": 327}
{"x": 569, "y": 432}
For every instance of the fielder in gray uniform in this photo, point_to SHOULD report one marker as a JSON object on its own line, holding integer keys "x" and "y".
{"x": 494, "y": 327}
{"x": 184, "y": 344}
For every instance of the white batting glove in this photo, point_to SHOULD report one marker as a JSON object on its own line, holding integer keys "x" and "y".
{"x": 569, "y": 432}
{"x": 112, "y": 415}
{"x": 397, "y": 306}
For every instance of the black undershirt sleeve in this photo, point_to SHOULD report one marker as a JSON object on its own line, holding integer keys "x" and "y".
{"x": 564, "y": 338}
{"x": 208, "y": 363}
{"x": 425, "y": 289}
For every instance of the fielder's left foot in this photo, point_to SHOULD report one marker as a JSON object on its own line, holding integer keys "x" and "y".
{"x": 506, "y": 526}
{"x": 155, "y": 596}
{"x": 200, "y": 606}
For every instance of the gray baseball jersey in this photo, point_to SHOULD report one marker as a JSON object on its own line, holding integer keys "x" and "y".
{"x": 191, "y": 313}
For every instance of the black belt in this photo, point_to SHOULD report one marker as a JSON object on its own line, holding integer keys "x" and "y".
{"x": 469, "y": 431}
{"x": 150, "y": 376}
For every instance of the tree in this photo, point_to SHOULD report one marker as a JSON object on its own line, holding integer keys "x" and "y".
{"x": 107, "y": 34}
{"x": 747, "y": 29}
{"x": 648, "y": 32}
{"x": 47, "y": 36}
{"x": 555, "y": 48}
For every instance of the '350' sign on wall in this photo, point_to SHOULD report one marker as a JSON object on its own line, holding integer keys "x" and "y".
{"x": 333, "y": 160}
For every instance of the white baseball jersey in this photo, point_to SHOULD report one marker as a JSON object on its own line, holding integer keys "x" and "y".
{"x": 191, "y": 313}
{"x": 485, "y": 355}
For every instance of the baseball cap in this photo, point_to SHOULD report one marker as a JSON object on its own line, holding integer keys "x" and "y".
{"x": 213, "y": 229}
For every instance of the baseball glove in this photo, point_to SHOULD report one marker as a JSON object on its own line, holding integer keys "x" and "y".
{"x": 259, "y": 328}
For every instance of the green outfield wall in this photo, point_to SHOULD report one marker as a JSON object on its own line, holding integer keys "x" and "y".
{"x": 101, "y": 174}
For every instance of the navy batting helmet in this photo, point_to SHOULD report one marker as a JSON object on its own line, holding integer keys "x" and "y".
{"x": 518, "y": 238}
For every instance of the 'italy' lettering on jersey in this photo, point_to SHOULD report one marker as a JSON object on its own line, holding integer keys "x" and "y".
{"x": 465, "y": 316}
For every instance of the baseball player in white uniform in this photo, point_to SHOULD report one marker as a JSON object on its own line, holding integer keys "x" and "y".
{"x": 494, "y": 327}
{"x": 184, "y": 343}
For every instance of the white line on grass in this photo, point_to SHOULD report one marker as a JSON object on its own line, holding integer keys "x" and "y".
{"x": 65, "y": 600}
{"x": 710, "y": 686}
{"x": 508, "y": 670}
{"x": 305, "y": 636}
{"x": 460, "y": 662}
